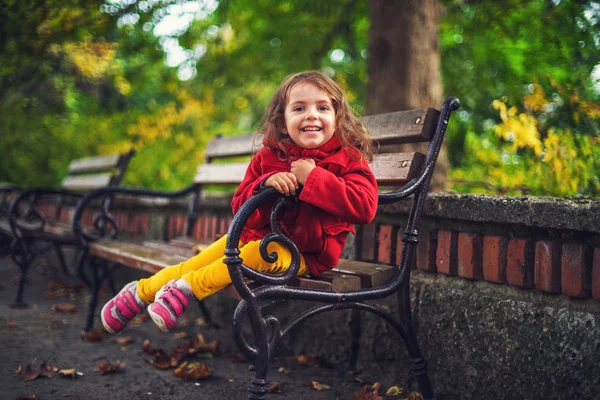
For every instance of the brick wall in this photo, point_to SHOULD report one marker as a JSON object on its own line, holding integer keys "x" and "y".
{"x": 543, "y": 244}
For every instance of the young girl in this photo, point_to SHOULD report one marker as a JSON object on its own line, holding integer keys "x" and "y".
{"x": 311, "y": 138}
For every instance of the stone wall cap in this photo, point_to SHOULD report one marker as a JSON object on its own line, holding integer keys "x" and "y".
{"x": 581, "y": 214}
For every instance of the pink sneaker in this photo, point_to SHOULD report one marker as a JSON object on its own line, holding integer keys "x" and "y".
{"x": 122, "y": 308}
{"x": 169, "y": 303}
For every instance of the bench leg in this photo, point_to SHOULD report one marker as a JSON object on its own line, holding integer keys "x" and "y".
{"x": 98, "y": 272}
{"x": 20, "y": 254}
{"x": 418, "y": 363}
{"x": 61, "y": 259}
{"x": 355, "y": 327}
{"x": 206, "y": 315}
{"x": 257, "y": 389}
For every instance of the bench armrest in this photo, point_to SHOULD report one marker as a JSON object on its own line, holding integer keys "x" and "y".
{"x": 104, "y": 224}
{"x": 237, "y": 270}
{"x": 26, "y": 217}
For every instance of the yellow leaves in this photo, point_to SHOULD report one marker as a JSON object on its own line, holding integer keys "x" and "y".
{"x": 93, "y": 60}
{"x": 122, "y": 85}
{"x": 518, "y": 129}
{"x": 519, "y": 159}
{"x": 535, "y": 101}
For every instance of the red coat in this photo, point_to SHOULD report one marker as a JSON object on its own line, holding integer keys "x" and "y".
{"x": 339, "y": 192}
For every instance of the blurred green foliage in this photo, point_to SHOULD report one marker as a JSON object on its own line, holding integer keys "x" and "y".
{"x": 535, "y": 57}
{"x": 84, "y": 77}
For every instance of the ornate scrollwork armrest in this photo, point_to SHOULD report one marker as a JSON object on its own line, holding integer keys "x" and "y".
{"x": 24, "y": 215}
{"x": 104, "y": 224}
{"x": 240, "y": 272}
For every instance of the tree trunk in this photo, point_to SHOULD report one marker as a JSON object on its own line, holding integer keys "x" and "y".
{"x": 404, "y": 63}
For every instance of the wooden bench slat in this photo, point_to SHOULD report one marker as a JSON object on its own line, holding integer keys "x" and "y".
{"x": 221, "y": 173}
{"x": 5, "y": 227}
{"x": 403, "y": 126}
{"x": 371, "y": 275}
{"x": 94, "y": 163}
{"x": 396, "y": 168}
{"x": 86, "y": 182}
{"x": 134, "y": 255}
{"x": 389, "y": 168}
{"x": 231, "y": 146}
{"x": 171, "y": 249}
{"x": 396, "y": 127}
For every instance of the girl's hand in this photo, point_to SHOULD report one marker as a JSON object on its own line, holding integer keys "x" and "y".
{"x": 283, "y": 182}
{"x": 302, "y": 168}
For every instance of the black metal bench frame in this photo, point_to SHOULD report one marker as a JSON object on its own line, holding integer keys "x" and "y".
{"x": 266, "y": 329}
{"x": 267, "y": 333}
{"x": 29, "y": 225}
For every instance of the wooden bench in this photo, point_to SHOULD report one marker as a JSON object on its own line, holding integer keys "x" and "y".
{"x": 350, "y": 280}
{"x": 38, "y": 221}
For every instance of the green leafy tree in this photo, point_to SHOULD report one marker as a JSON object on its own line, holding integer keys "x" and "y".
{"x": 523, "y": 70}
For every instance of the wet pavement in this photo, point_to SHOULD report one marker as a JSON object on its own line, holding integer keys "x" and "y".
{"x": 42, "y": 333}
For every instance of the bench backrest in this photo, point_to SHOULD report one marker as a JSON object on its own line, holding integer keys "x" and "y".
{"x": 90, "y": 173}
{"x": 387, "y": 131}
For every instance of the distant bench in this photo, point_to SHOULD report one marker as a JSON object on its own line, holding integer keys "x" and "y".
{"x": 412, "y": 171}
{"x": 35, "y": 217}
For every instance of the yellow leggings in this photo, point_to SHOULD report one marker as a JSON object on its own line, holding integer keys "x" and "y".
{"x": 206, "y": 273}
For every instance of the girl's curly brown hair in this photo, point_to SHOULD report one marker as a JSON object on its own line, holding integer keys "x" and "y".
{"x": 351, "y": 132}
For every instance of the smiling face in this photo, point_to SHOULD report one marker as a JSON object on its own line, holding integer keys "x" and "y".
{"x": 309, "y": 116}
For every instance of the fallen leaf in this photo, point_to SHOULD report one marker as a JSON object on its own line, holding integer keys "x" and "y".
{"x": 68, "y": 373}
{"x": 318, "y": 386}
{"x": 95, "y": 335}
{"x": 237, "y": 357}
{"x": 11, "y": 324}
{"x": 181, "y": 335}
{"x": 27, "y": 396}
{"x": 193, "y": 371}
{"x": 311, "y": 360}
{"x": 212, "y": 347}
{"x": 162, "y": 360}
{"x": 28, "y": 374}
{"x": 394, "y": 391}
{"x": 124, "y": 340}
{"x": 273, "y": 387}
{"x": 64, "y": 308}
{"x": 200, "y": 321}
{"x": 67, "y": 395}
{"x": 182, "y": 350}
{"x": 108, "y": 368}
{"x": 283, "y": 370}
{"x": 415, "y": 396}
{"x": 364, "y": 395}
{"x": 146, "y": 348}
{"x": 47, "y": 371}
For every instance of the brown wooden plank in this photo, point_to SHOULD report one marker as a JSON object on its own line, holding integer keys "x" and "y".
{"x": 134, "y": 255}
{"x": 231, "y": 146}
{"x": 396, "y": 168}
{"x": 99, "y": 163}
{"x": 221, "y": 173}
{"x": 8, "y": 186}
{"x": 86, "y": 182}
{"x": 402, "y": 126}
{"x": 339, "y": 282}
{"x": 371, "y": 275}
{"x": 171, "y": 249}
{"x": 391, "y": 168}
{"x": 5, "y": 227}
